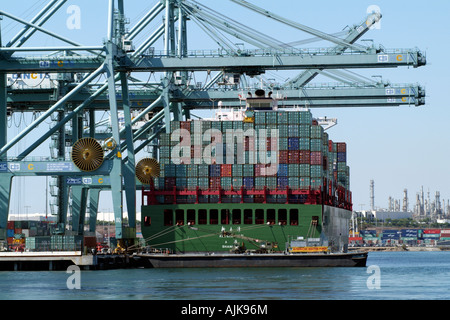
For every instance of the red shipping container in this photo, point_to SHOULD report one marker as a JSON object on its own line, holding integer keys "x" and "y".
{"x": 304, "y": 157}
{"x": 185, "y": 125}
{"x": 341, "y": 147}
{"x": 293, "y": 156}
{"x": 316, "y": 157}
{"x": 10, "y": 225}
{"x": 214, "y": 183}
{"x": 169, "y": 183}
{"x": 432, "y": 231}
{"x": 330, "y": 145}
{"x": 283, "y": 157}
{"x": 17, "y": 231}
{"x": 90, "y": 242}
{"x": 9, "y": 240}
{"x": 226, "y": 170}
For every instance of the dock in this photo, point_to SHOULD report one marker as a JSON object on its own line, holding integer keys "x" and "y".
{"x": 61, "y": 260}
{"x": 51, "y": 260}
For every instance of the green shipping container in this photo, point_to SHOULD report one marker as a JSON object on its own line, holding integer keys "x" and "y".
{"x": 248, "y": 170}
{"x": 316, "y": 171}
{"x": 260, "y": 183}
{"x": 271, "y": 118}
{"x": 203, "y": 170}
{"x": 305, "y": 117}
{"x": 237, "y": 170}
{"x": 237, "y": 182}
{"x": 260, "y": 117}
{"x": 304, "y": 131}
{"x": 316, "y": 145}
{"x": 203, "y": 183}
{"x": 283, "y": 130}
{"x": 282, "y": 117}
{"x": 293, "y": 182}
{"x": 293, "y": 170}
{"x": 192, "y": 183}
{"x": 293, "y": 117}
{"x": 316, "y": 183}
{"x": 304, "y": 170}
{"x": 304, "y": 182}
{"x": 304, "y": 143}
{"x": 226, "y": 182}
{"x": 316, "y": 132}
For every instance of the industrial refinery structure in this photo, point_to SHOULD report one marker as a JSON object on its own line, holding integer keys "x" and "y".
{"x": 424, "y": 207}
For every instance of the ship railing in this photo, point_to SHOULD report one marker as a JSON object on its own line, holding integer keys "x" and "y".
{"x": 313, "y": 196}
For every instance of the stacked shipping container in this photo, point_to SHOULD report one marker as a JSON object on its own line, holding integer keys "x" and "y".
{"x": 39, "y": 236}
{"x": 304, "y": 156}
{"x": 409, "y": 236}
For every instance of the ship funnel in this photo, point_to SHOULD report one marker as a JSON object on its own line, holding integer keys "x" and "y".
{"x": 260, "y": 93}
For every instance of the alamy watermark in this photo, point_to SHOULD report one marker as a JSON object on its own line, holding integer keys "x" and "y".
{"x": 74, "y": 20}
{"x": 74, "y": 280}
{"x": 214, "y": 147}
{"x": 374, "y": 280}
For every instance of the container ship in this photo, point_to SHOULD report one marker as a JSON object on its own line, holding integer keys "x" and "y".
{"x": 255, "y": 186}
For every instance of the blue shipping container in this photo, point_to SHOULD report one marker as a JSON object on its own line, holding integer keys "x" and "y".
{"x": 341, "y": 156}
{"x": 248, "y": 182}
{"x": 282, "y": 182}
{"x": 293, "y": 144}
{"x": 214, "y": 170}
{"x": 410, "y": 233}
{"x": 283, "y": 170}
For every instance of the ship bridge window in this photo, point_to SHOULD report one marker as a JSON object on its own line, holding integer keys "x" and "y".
{"x": 224, "y": 216}
{"x": 191, "y": 216}
{"x": 282, "y": 216}
{"x": 248, "y": 216}
{"x": 168, "y": 217}
{"x": 213, "y": 216}
{"x": 202, "y": 216}
{"x": 293, "y": 217}
{"x": 259, "y": 216}
{"x": 179, "y": 217}
{"x": 271, "y": 216}
{"x": 237, "y": 216}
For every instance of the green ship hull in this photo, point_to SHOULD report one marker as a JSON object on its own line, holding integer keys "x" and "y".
{"x": 194, "y": 228}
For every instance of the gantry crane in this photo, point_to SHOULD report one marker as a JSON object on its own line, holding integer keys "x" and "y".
{"x": 173, "y": 97}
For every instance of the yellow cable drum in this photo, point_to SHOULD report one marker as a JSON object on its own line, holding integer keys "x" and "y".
{"x": 87, "y": 154}
{"x": 147, "y": 169}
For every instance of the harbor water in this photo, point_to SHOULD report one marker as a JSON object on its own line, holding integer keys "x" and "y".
{"x": 388, "y": 276}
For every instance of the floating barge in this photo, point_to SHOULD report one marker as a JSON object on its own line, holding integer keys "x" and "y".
{"x": 269, "y": 260}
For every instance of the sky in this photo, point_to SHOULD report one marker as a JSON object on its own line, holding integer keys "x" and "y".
{"x": 399, "y": 148}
